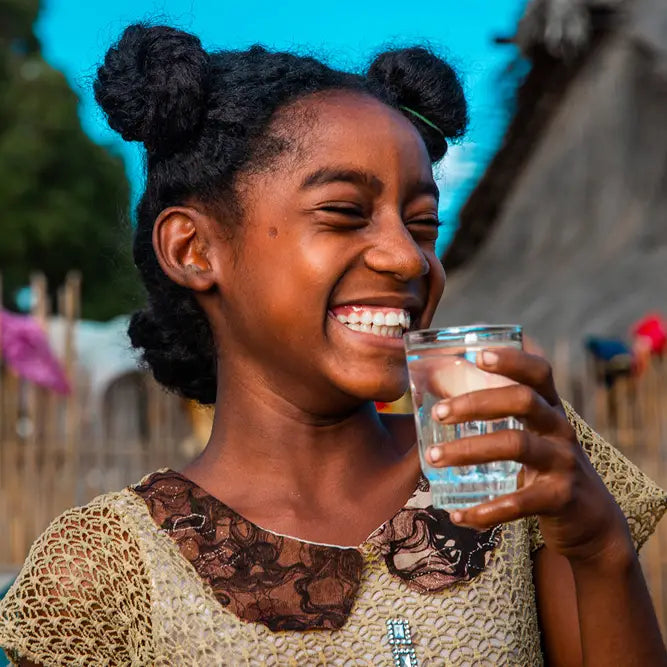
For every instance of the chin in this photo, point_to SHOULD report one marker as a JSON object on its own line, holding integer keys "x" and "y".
{"x": 386, "y": 388}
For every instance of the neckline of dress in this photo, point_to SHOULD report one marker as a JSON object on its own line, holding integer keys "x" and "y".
{"x": 420, "y": 481}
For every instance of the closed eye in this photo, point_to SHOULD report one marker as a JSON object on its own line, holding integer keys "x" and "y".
{"x": 434, "y": 222}
{"x": 343, "y": 210}
{"x": 426, "y": 228}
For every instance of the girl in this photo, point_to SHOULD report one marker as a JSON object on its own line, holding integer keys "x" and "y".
{"x": 279, "y": 193}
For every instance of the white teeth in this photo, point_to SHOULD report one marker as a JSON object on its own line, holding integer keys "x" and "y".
{"x": 391, "y": 319}
{"x": 367, "y": 320}
{"x": 387, "y": 332}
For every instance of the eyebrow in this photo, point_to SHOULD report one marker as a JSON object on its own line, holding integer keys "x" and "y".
{"x": 326, "y": 175}
{"x": 427, "y": 188}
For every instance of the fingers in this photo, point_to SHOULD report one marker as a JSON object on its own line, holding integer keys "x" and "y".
{"x": 535, "y": 499}
{"x": 523, "y": 368}
{"x": 508, "y": 445}
{"x": 516, "y": 400}
{"x": 453, "y": 376}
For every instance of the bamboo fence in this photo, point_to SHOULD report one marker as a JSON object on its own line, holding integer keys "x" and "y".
{"x": 53, "y": 457}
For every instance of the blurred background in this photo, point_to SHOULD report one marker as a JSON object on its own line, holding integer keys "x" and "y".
{"x": 554, "y": 210}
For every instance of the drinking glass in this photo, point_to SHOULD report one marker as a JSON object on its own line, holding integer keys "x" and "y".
{"x": 441, "y": 364}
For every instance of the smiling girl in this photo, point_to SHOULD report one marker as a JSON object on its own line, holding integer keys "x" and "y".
{"x": 286, "y": 239}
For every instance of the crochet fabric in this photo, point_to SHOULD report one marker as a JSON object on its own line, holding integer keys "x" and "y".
{"x": 107, "y": 585}
{"x": 290, "y": 584}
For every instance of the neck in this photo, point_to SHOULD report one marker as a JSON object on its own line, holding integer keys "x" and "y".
{"x": 262, "y": 440}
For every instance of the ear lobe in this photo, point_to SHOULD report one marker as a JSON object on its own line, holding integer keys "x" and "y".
{"x": 181, "y": 239}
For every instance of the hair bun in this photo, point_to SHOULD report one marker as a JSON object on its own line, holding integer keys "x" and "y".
{"x": 418, "y": 79}
{"x": 152, "y": 86}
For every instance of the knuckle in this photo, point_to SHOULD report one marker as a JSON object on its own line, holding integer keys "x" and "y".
{"x": 563, "y": 493}
{"x": 505, "y": 509}
{"x": 526, "y": 398}
{"x": 513, "y": 504}
{"x": 570, "y": 460}
{"x": 518, "y": 443}
{"x": 544, "y": 373}
{"x": 486, "y": 517}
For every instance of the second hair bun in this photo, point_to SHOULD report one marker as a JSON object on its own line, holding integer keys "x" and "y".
{"x": 418, "y": 79}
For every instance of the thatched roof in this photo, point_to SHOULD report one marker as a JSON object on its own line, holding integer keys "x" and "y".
{"x": 567, "y": 229}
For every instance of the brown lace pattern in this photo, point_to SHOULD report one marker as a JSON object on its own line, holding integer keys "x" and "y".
{"x": 262, "y": 577}
{"x": 427, "y": 551}
{"x": 287, "y": 584}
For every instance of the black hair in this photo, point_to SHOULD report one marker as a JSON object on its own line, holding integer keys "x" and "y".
{"x": 205, "y": 116}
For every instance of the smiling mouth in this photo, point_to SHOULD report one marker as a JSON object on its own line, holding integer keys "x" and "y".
{"x": 378, "y": 321}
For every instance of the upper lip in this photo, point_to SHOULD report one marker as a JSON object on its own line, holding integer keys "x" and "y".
{"x": 413, "y": 304}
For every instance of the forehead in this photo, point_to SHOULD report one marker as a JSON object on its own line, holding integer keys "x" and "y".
{"x": 352, "y": 128}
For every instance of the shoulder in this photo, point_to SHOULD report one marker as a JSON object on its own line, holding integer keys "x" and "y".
{"x": 642, "y": 501}
{"x": 87, "y": 540}
{"x": 83, "y": 590}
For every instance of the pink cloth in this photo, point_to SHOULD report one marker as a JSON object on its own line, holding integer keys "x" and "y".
{"x": 25, "y": 349}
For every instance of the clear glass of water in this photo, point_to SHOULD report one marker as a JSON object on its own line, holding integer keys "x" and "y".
{"x": 441, "y": 364}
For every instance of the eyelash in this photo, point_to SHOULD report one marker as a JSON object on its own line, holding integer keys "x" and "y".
{"x": 345, "y": 210}
{"x": 432, "y": 222}
{"x": 358, "y": 213}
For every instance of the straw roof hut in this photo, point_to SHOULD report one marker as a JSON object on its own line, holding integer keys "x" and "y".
{"x": 566, "y": 231}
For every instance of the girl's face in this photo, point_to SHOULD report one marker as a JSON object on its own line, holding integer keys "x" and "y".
{"x": 336, "y": 255}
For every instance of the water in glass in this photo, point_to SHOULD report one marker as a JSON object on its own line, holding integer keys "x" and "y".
{"x": 444, "y": 372}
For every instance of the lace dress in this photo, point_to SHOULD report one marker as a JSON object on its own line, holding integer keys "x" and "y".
{"x": 164, "y": 574}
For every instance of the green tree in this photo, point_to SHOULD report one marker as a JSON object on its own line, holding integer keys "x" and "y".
{"x": 64, "y": 200}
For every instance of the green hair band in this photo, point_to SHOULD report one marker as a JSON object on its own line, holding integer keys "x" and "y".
{"x": 424, "y": 120}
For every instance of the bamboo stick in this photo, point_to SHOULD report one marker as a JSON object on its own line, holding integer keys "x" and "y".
{"x": 71, "y": 312}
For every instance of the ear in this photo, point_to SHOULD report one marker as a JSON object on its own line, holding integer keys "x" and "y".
{"x": 182, "y": 238}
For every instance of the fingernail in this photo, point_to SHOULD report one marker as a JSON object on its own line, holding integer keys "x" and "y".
{"x": 435, "y": 454}
{"x": 489, "y": 358}
{"x": 456, "y": 517}
{"x": 442, "y": 410}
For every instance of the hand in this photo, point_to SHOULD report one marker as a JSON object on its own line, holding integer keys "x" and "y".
{"x": 578, "y": 516}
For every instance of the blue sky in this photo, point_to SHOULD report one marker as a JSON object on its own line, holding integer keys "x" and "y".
{"x": 75, "y": 36}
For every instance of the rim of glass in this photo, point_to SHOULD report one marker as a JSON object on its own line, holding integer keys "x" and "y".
{"x": 420, "y": 335}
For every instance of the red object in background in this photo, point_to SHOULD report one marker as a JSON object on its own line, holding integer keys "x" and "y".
{"x": 25, "y": 349}
{"x": 653, "y": 328}
{"x": 379, "y": 405}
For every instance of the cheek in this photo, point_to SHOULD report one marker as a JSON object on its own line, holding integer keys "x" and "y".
{"x": 436, "y": 286}
{"x": 290, "y": 281}
{"x": 439, "y": 278}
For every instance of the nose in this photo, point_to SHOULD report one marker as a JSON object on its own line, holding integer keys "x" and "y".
{"x": 394, "y": 251}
